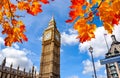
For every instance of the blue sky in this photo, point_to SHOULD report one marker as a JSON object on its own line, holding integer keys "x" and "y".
{"x": 75, "y": 58}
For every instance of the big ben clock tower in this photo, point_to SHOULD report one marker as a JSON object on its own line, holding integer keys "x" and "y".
{"x": 50, "y": 57}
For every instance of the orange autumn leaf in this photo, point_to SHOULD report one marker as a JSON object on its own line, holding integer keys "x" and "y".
{"x": 23, "y": 5}
{"x": 22, "y": 28}
{"x": 86, "y": 31}
{"x": 24, "y": 37}
{"x": 76, "y": 10}
{"x": 14, "y": 22}
{"x": 108, "y": 27}
{"x": 35, "y": 8}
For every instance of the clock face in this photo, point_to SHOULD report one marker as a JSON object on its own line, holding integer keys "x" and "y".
{"x": 47, "y": 35}
{"x": 57, "y": 37}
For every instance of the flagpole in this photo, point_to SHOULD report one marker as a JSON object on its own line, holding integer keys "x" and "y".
{"x": 106, "y": 42}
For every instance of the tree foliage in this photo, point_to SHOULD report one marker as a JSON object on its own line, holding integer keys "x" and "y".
{"x": 12, "y": 26}
{"x": 83, "y": 12}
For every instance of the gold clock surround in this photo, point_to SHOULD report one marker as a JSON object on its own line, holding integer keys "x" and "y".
{"x": 47, "y": 35}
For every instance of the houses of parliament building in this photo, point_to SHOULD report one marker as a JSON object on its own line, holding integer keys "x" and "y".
{"x": 50, "y": 57}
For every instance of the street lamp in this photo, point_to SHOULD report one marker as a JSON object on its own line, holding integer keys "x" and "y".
{"x": 91, "y": 51}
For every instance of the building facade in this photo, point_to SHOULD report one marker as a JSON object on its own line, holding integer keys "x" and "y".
{"x": 113, "y": 69}
{"x": 50, "y": 57}
{"x": 9, "y": 72}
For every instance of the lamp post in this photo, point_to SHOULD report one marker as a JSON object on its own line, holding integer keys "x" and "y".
{"x": 91, "y": 51}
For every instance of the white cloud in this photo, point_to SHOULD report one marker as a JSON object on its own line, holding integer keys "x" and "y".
{"x": 88, "y": 67}
{"x": 98, "y": 43}
{"x": 74, "y": 76}
{"x": 15, "y": 57}
{"x": 69, "y": 38}
{"x": 16, "y": 46}
{"x": 40, "y": 38}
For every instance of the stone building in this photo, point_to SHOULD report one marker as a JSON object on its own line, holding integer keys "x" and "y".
{"x": 9, "y": 72}
{"x": 113, "y": 69}
{"x": 50, "y": 57}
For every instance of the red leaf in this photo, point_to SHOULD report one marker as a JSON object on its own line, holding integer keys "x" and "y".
{"x": 24, "y": 37}
{"x": 115, "y": 21}
{"x": 44, "y": 1}
{"x": 35, "y": 8}
{"x": 73, "y": 15}
{"x": 14, "y": 21}
{"x": 22, "y": 28}
{"x": 69, "y": 21}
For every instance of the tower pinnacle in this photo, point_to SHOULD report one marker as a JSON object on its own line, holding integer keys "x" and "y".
{"x": 52, "y": 19}
{"x": 52, "y": 23}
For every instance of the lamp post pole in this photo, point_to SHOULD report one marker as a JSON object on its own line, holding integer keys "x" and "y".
{"x": 91, "y": 51}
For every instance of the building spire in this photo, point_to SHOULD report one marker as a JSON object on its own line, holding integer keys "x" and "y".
{"x": 4, "y": 62}
{"x": 52, "y": 19}
{"x": 52, "y": 23}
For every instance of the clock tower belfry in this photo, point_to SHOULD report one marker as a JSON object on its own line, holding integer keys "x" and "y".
{"x": 50, "y": 56}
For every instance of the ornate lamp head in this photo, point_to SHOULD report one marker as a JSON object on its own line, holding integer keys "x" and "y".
{"x": 90, "y": 49}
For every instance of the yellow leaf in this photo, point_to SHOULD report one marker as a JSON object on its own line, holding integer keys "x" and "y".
{"x": 8, "y": 14}
{"x": 1, "y": 16}
{"x": 20, "y": 23}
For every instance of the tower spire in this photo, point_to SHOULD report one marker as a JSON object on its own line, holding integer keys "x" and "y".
{"x": 52, "y": 23}
{"x": 52, "y": 19}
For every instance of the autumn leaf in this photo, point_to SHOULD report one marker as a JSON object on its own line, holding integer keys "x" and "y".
{"x": 73, "y": 15}
{"x": 13, "y": 7}
{"x": 24, "y": 37}
{"x": 44, "y": 1}
{"x": 35, "y": 8}
{"x": 108, "y": 27}
{"x": 23, "y": 5}
{"x": 86, "y": 31}
{"x": 14, "y": 22}
{"x": 22, "y": 28}
{"x": 1, "y": 16}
